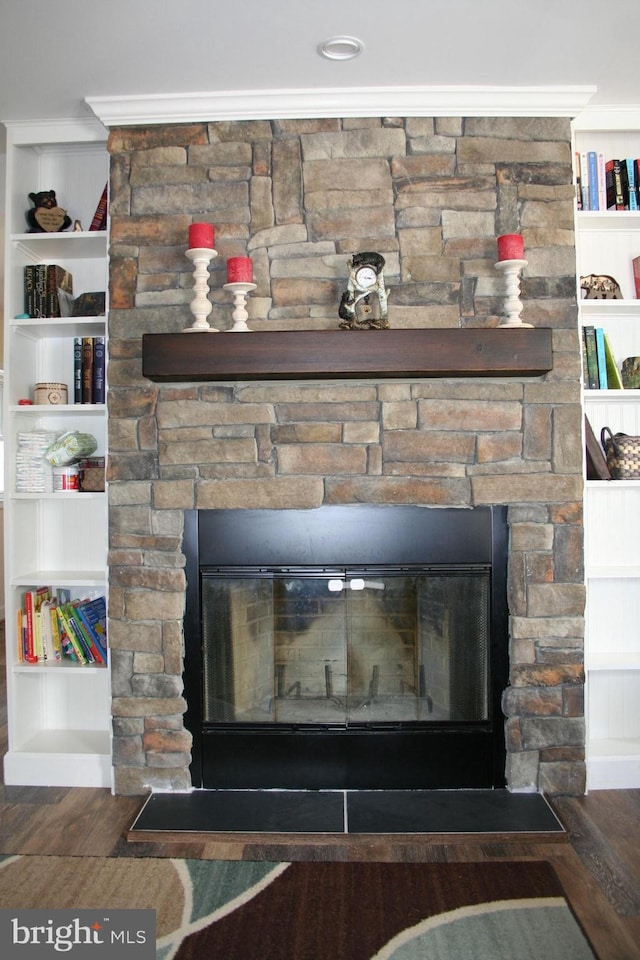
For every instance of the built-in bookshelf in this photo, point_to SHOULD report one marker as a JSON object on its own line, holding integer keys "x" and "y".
{"x": 58, "y": 709}
{"x": 607, "y": 241}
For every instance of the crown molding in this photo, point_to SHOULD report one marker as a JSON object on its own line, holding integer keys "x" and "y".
{"x": 458, "y": 101}
{"x": 604, "y": 116}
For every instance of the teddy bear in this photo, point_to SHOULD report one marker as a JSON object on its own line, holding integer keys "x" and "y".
{"x": 46, "y": 216}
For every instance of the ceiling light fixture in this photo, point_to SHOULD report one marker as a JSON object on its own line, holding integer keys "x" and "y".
{"x": 341, "y": 48}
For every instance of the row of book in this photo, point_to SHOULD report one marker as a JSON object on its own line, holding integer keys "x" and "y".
{"x": 599, "y": 364}
{"x": 54, "y": 628}
{"x": 88, "y": 369}
{"x": 48, "y": 291}
{"x": 607, "y": 184}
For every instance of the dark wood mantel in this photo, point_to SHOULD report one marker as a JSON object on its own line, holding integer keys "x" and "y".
{"x": 346, "y": 354}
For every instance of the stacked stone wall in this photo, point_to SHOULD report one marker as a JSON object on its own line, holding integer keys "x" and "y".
{"x": 299, "y": 197}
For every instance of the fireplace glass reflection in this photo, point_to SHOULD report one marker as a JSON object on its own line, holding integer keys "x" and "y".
{"x": 346, "y": 646}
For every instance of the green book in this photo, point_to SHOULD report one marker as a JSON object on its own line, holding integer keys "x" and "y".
{"x": 613, "y": 374}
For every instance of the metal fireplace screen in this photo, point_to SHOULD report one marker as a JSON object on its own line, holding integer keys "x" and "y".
{"x": 345, "y": 646}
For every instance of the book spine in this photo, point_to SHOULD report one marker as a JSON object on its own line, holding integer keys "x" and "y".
{"x": 87, "y": 637}
{"x": 77, "y": 369}
{"x": 40, "y": 306}
{"x": 631, "y": 181}
{"x": 636, "y": 275}
{"x": 618, "y": 185}
{"x": 30, "y": 654}
{"x": 93, "y": 615}
{"x": 578, "y": 181}
{"x": 584, "y": 180}
{"x": 87, "y": 369}
{"x": 98, "y": 390}
{"x": 51, "y": 291}
{"x": 614, "y": 379}
{"x": 99, "y": 221}
{"x": 592, "y": 162}
{"x": 71, "y": 635}
{"x": 30, "y": 289}
{"x": 592, "y": 362}
{"x": 601, "y": 359}
{"x": 602, "y": 183}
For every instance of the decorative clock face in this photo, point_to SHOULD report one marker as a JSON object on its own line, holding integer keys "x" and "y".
{"x": 366, "y": 277}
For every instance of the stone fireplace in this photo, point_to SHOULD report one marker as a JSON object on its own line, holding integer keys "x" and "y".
{"x": 299, "y": 197}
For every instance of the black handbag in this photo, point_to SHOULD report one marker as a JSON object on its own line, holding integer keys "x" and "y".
{"x": 622, "y": 453}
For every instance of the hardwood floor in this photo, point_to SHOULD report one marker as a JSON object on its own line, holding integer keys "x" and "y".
{"x": 599, "y": 863}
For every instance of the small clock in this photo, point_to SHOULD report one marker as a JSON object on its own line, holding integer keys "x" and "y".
{"x": 365, "y": 278}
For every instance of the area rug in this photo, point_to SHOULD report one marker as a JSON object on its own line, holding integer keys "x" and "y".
{"x": 239, "y": 910}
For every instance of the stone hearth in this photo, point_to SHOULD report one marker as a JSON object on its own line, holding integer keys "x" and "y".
{"x": 299, "y": 197}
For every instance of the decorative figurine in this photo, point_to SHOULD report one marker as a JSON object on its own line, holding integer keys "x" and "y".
{"x": 46, "y": 216}
{"x": 600, "y": 287}
{"x": 365, "y": 278}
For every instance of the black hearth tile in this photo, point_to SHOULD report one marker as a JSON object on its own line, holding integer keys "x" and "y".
{"x": 243, "y": 811}
{"x": 449, "y": 811}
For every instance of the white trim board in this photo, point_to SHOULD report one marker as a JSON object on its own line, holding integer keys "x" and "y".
{"x": 455, "y": 101}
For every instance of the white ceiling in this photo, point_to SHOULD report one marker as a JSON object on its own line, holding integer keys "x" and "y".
{"x": 56, "y": 53}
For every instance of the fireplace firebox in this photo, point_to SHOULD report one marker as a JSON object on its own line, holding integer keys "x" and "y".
{"x": 346, "y": 647}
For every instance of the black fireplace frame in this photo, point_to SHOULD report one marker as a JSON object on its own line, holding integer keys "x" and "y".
{"x": 415, "y": 755}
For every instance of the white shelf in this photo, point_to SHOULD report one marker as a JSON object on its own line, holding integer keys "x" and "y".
{"x": 40, "y": 247}
{"x": 614, "y": 661}
{"x": 60, "y": 578}
{"x": 53, "y": 327}
{"x": 606, "y": 243}
{"x": 58, "y": 713}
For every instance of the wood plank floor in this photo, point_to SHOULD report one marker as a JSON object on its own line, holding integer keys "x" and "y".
{"x": 599, "y": 866}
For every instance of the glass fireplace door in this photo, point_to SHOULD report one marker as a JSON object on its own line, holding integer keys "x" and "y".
{"x": 345, "y": 648}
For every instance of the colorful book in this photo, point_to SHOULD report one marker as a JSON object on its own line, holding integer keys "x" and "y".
{"x": 93, "y": 614}
{"x": 631, "y": 184}
{"x": 614, "y": 378}
{"x": 601, "y": 359}
{"x": 592, "y": 162}
{"x": 70, "y": 635}
{"x": 89, "y": 643}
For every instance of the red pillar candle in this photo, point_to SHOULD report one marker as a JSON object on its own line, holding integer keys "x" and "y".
{"x": 239, "y": 270}
{"x": 201, "y": 236}
{"x": 511, "y": 247}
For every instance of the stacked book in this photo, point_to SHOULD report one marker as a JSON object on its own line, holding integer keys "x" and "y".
{"x": 603, "y": 184}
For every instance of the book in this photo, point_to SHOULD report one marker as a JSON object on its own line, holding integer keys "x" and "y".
{"x": 615, "y": 193}
{"x": 614, "y": 379}
{"x": 77, "y": 369}
{"x": 602, "y": 182}
{"x": 87, "y": 369}
{"x": 601, "y": 359}
{"x": 596, "y": 462}
{"x": 631, "y": 184}
{"x": 99, "y": 220}
{"x": 93, "y": 614}
{"x": 636, "y": 275}
{"x": 578, "y": 181}
{"x": 33, "y": 600}
{"x": 94, "y": 652}
{"x": 71, "y": 635}
{"x": 592, "y": 163}
{"x": 50, "y": 638}
{"x": 58, "y": 291}
{"x": 591, "y": 371}
{"x": 30, "y": 289}
{"x": 98, "y": 391}
{"x": 584, "y": 180}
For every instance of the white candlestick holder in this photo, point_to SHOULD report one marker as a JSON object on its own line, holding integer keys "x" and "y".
{"x": 511, "y": 269}
{"x": 240, "y": 316}
{"x": 200, "y": 306}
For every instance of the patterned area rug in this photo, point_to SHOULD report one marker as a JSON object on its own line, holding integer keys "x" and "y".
{"x": 237, "y": 910}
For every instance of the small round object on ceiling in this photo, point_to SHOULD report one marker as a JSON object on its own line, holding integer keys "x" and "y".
{"x": 341, "y": 48}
